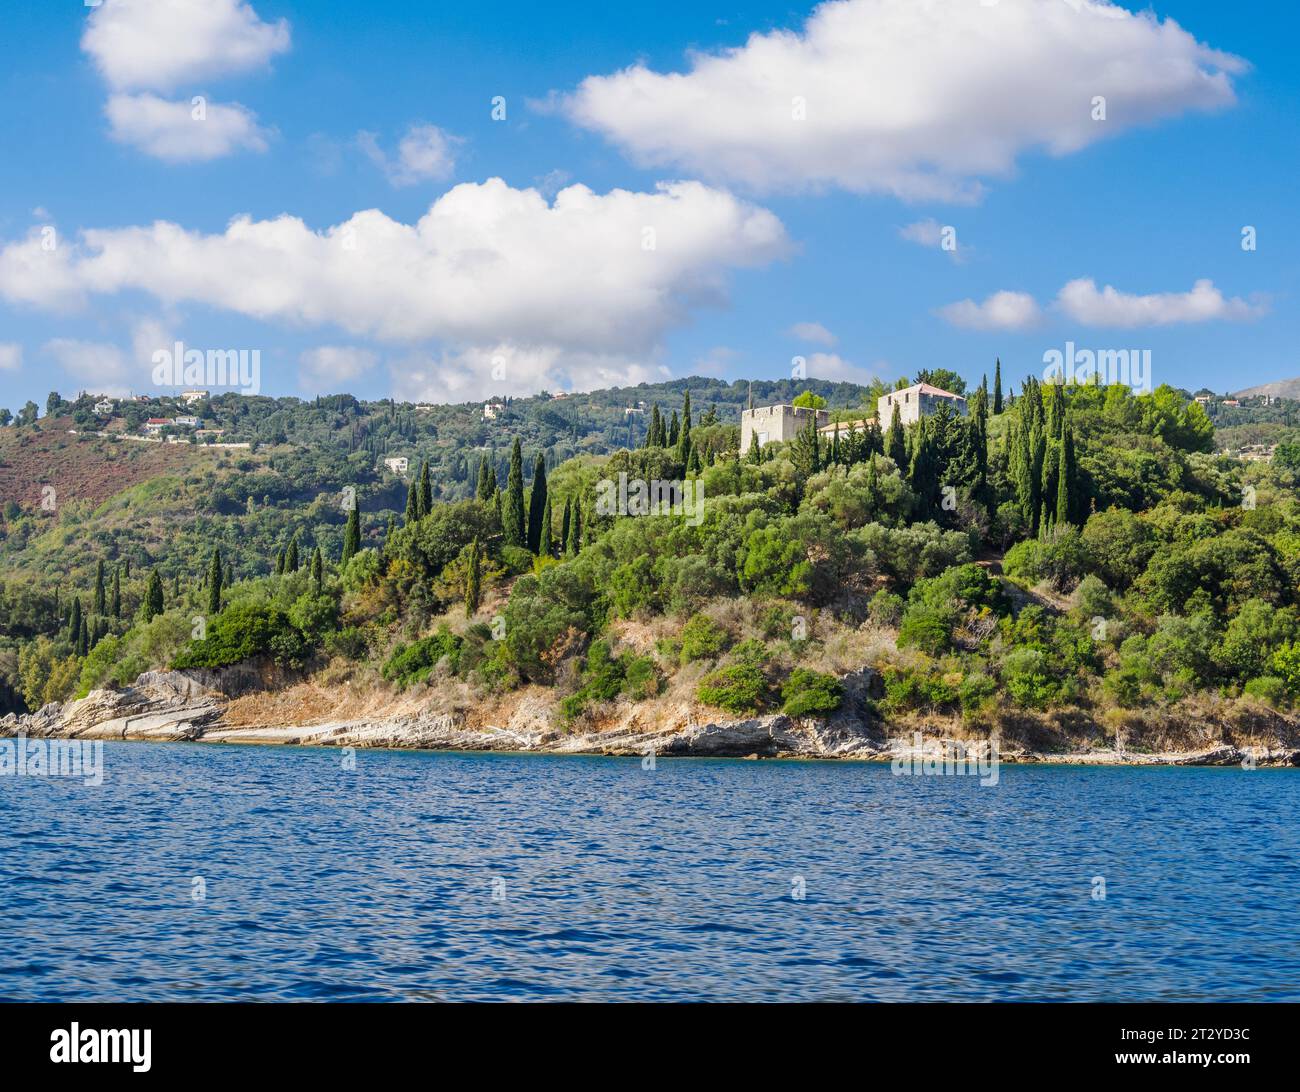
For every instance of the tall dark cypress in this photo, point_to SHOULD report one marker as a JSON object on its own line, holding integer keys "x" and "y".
{"x": 352, "y": 533}
{"x": 117, "y": 593}
{"x": 513, "y": 521}
{"x": 426, "y": 491}
{"x": 575, "y": 531}
{"x": 215, "y": 576}
{"x": 291, "y": 556}
{"x": 537, "y": 504}
{"x": 474, "y": 581}
{"x": 483, "y": 490}
{"x": 153, "y": 597}
{"x": 412, "y": 501}
{"x": 997, "y": 387}
{"x": 317, "y": 570}
{"x": 74, "y": 621}
{"x": 544, "y": 539}
{"x": 684, "y": 437}
{"x": 564, "y": 527}
{"x": 895, "y": 443}
{"x": 101, "y": 607}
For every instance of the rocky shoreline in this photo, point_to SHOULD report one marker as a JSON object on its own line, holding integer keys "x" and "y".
{"x": 178, "y": 707}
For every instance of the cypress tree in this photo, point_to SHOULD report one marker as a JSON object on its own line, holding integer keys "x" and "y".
{"x": 214, "y": 582}
{"x": 317, "y": 570}
{"x": 684, "y": 437}
{"x": 537, "y": 504}
{"x": 83, "y": 637}
{"x": 483, "y": 490}
{"x": 564, "y": 527}
{"x": 426, "y": 491}
{"x": 279, "y": 563}
{"x": 117, "y": 593}
{"x": 474, "y": 583}
{"x": 100, "y": 605}
{"x": 513, "y": 522}
{"x": 412, "y": 501}
{"x": 153, "y": 597}
{"x": 352, "y": 533}
{"x": 895, "y": 443}
{"x": 291, "y": 556}
{"x": 997, "y": 386}
{"x": 74, "y": 621}
{"x": 674, "y": 427}
{"x": 544, "y": 540}
{"x": 575, "y": 532}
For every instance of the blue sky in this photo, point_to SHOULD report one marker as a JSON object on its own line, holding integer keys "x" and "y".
{"x": 764, "y": 242}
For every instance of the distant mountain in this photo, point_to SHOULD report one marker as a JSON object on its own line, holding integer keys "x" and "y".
{"x": 1281, "y": 388}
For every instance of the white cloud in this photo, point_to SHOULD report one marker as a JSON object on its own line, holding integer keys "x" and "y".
{"x": 588, "y": 284}
{"x": 835, "y": 368}
{"x": 923, "y": 232}
{"x": 105, "y": 366}
{"x": 1081, "y": 301}
{"x": 170, "y": 131}
{"x": 323, "y": 369}
{"x": 715, "y": 362}
{"x": 11, "y": 356}
{"x": 486, "y": 263}
{"x": 812, "y": 331}
{"x": 425, "y": 153}
{"x": 1000, "y": 311}
{"x": 162, "y": 44}
{"x": 480, "y": 372}
{"x": 921, "y": 100}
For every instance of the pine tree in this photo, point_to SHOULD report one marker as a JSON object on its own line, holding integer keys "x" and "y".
{"x": 537, "y": 504}
{"x": 153, "y": 597}
{"x": 117, "y": 593}
{"x": 352, "y": 533}
{"x": 997, "y": 386}
{"x": 513, "y": 523}
{"x": 100, "y": 604}
{"x": 544, "y": 541}
{"x": 317, "y": 570}
{"x": 474, "y": 582}
{"x": 215, "y": 575}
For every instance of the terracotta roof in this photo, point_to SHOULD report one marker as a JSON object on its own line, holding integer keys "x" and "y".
{"x": 926, "y": 388}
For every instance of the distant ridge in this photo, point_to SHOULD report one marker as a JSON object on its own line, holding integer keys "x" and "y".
{"x": 1281, "y": 388}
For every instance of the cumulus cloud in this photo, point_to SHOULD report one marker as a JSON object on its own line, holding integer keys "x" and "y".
{"x": 322, "y": 370}
{"x": 108, "y": 368}
{"x": 588, "y": 283}
{"x": 833, "y": 367}
{"x": 922, "y": 232}
{"x": 479, "y": 372}
{"x": 424, "y": 154}
{"x": 812, "y": 331}
{"x": 1000, "y": 311}
{"x": 180, "y": 132}
{"x": 1083, "y": 302}
{"x": 919, "y": 100}
{"x": 11, "y": 356}
{"x": 160, "y": 44}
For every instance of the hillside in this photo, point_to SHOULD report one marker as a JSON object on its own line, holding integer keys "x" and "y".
{"x": 1078, "y": 569}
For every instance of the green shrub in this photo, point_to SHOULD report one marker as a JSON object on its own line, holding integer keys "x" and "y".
{"x": 1269, "y": 689}
{"x": 412, "y": 663}
{"x": 702, "y": 639}
{"x": 243, "y": 630}
{"x": 741, "y": 686}
{"x": 807, "y": 693}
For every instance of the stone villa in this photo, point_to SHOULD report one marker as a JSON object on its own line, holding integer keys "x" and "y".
{"x": 770, "y": 424}
{"x": 915, "y": 402}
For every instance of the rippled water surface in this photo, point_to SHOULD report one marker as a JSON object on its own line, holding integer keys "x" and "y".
{"x": 617, "y": 883}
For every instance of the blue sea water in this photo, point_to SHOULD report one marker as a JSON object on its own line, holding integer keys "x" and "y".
{"x": 509, "y": 877}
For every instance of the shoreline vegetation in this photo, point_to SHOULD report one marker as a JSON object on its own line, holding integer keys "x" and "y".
{"x": 1071, "y": 569}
